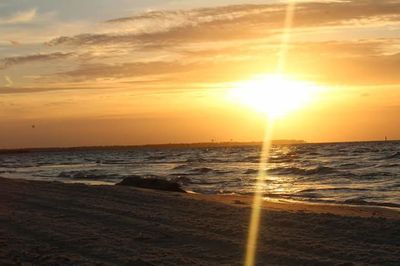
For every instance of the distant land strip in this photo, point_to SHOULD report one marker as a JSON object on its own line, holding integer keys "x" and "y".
{"x": 178, "y": 146}
{"x": 152, "y": 146}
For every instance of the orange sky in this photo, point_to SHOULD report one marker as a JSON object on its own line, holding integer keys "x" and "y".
{"x": 161, "y": 71}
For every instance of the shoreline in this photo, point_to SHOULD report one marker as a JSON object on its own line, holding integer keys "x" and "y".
{"x": 76, "y": 224}
{"x": 282, "y": 204}
{"x": 348, "y": 210}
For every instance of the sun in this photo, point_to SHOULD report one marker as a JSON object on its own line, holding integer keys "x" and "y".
{"x": 273, "y": 95}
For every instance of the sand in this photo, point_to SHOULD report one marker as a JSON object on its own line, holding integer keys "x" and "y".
{"x": 50, "y": 223}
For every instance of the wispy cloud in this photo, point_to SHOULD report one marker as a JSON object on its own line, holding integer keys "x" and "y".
{"x": 231, "y": 22}
{"x": 335, "y": 61}
{"x": 20, "y": 17}
{"x": 10, "y": 61}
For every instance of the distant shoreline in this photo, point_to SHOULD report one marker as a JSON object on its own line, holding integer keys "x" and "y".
{"x": 152, "y": 146}
{"x": 174, "y": 146}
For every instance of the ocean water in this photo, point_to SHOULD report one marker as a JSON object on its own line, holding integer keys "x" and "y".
{"x": 342, "y": 173}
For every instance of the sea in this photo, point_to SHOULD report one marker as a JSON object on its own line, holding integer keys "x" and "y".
{"x": 363, "y": 173}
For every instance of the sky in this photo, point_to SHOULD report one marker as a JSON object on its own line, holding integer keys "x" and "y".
{"x": 121, "y": 72}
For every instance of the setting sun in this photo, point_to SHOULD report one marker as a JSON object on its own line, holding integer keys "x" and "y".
{"x": 274, "y": 95}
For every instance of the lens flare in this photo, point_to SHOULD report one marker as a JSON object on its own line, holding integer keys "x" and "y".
{"x": 254, "y": 225}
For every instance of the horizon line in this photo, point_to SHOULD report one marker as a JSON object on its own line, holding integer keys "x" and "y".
{"x": 182, "y": 145}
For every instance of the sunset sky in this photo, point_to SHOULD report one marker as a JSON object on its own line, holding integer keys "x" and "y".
{"x": 117, "y": 72}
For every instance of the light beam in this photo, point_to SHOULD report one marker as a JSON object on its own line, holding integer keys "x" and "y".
{"x": 254, "y": 225}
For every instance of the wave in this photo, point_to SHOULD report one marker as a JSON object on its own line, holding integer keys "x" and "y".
{"x": 362, "y": 201}
{"x": 181, "y": 167}
{"x": 157, "y": 157}
{"x": 203, "y": 170}
{"x": 389, "y": 165}
{"x": 281, "y": 159}
{"x": 251, "y": 159}
{"x": 374, "y": 174}
{"x": 287, "y": 158}
{"x": 196, "y": 160}
{"x": 8, "y": 172}
{"x": 207, "y": 170}
{"x": 393, "y": 156}
{"x": 361, "y": 150}
{"x": 291, "y": 196}
{"x": 16, "y": 165}
{"x": 317, "y": 198}
{"x": 310, "y": 195}
{"x": 116, "y": 161}
{"x": 314, "y": 154}
{"x": 250, "y": 172}
{"x": 349, "y": 165}
{"x": 311, "y": 190}
{"x": 89, "y": 174}
{"x": 302, "y": 171}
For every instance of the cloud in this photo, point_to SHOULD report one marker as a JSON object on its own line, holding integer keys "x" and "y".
{"x": 221, "y": 44}
{"x": 136, "y": 69}
{"x": 20, "y": 90}
{"x": 357, "y": 62}
{"x": 10, "y": 61}
{"x": 230, "y": 22}
{"x": 20, "y": 17}
{"x": 161, "y": 21}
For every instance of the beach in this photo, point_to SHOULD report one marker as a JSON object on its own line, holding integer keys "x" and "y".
{"x": 52, "y": 223}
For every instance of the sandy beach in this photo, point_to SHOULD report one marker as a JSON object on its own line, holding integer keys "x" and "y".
{"x": 50, "y": 223}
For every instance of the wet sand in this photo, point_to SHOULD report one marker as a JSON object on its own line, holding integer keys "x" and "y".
{"x": 50, "y": 223}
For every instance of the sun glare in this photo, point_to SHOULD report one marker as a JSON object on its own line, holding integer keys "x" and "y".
{"x": 273, "y": 95}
